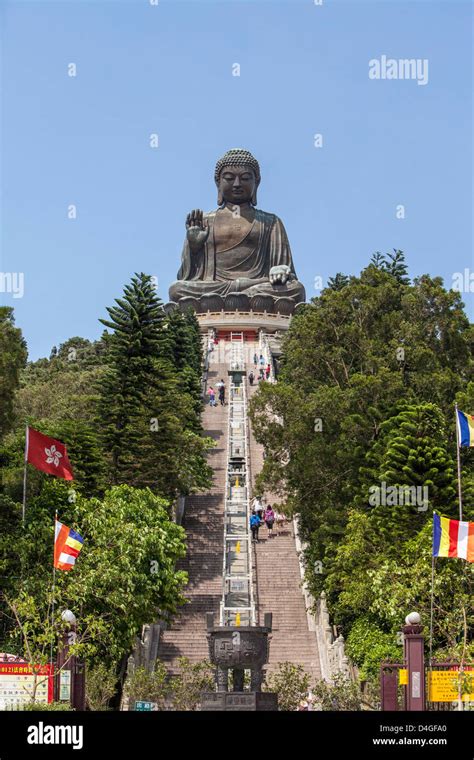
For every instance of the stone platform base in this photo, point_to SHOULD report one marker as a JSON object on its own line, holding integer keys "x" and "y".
{"x": 238, "y": 701}
{"x": 243, "y": 321}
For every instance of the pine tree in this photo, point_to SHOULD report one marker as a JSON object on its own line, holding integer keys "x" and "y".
{"x": 410, "y": 453}
{"x": 396, "y": 266}
{"x": 12, "y": 359}
{"x": 338, "y": 282}
{"x": 392, "y": 263}
{"x": 149, "y": 416}
{"x": 85, "y": 454}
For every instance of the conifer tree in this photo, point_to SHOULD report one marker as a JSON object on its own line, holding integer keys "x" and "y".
{"x": 12, "y": 359}
{"x": 410, "y": 453}
{"x": 338, "y": 282}
{"x": 150, "y": 419}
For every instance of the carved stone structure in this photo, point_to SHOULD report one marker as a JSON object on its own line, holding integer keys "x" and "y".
{"x": 239, "y": 649}
{"x": 238, "y": 257}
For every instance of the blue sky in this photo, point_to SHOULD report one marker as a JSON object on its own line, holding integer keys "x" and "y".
{"x": 167, "y": 69}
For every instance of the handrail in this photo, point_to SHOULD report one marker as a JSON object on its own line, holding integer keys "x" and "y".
{"x": 249, "y": 486}
{"x": 207, "y": 354}
{"x": 237, "y": 503}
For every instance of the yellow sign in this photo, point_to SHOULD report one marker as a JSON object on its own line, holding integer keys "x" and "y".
{"x": 237, "y": 618}
{"x": 237, "y": 547}
{"x": 403, "y": 677}
{"x": 443, "y": 685}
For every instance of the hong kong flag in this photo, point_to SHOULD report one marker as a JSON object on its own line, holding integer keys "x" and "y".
{"x": 47, "y": 454}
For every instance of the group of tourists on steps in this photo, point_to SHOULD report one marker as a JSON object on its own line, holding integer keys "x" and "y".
{"x": 264, "y": 371}
{"x": 220, "y": 387}
{"x": 264, "y": 515}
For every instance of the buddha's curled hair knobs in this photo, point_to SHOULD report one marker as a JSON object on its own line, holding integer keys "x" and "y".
{"x": 237, "y": 157}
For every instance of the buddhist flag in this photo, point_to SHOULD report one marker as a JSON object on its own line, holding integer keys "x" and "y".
{"x": 453, "y": 538}
{"x": 465, "y": 428}
{"x": 47, "y": 454}
{"x": 67, "y": 545}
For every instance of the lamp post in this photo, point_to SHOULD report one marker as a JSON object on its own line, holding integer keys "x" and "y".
{"x": 414, "y": 655}
{"x": 70, "y": 680}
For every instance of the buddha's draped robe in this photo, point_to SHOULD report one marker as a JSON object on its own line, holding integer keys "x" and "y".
{"x": 243, "y": 268}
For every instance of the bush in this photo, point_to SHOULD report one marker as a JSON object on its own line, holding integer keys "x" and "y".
{"x": 182, "y": 692}
{"x": 341, "y": 694}
{"x": 368, "y": 646}
{"x": 51, "y": 707}
{"x": 186, "y": 687}
{"x": 101, "y": 684}
{"x": 291, "y": 683}
{"x": 145, "y": 686}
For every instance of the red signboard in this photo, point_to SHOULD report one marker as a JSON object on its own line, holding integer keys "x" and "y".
{"x": 17, "y": 680}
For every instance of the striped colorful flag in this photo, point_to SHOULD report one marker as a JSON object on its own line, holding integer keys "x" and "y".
{"x": 67, "y": 545}
{"x": 453, "y": 538}
{"x": 465, "y": 428}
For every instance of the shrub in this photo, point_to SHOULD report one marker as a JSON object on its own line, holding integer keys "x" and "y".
{"x": 368, "y": 646}
{"x": 291, "y": 683}
{"x": 341, "y": 694}
{"x": 192, "y": 679}
{"x": 146, "y": 686}
{"x": 101, "y": 683}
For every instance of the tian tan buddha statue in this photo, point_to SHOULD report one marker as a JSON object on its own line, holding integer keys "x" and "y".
{"x": 237, "y": 257}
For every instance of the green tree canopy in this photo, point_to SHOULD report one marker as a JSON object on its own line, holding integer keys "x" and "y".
{"x": 12, "y": 360}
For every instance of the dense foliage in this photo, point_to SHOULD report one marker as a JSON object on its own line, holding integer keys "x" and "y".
{"x": 360, "y": 422}
{"x": 128, "y": 408}
{"x": 12, "y": 360}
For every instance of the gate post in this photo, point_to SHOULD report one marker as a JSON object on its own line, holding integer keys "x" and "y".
{"x": 388, "y": 687}
{"x": 414, "y": 655}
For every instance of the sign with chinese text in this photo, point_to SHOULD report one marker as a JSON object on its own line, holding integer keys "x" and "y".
{"x": 17, "y": 684}
{"x": 443, "y": 685}
{"x": 65, "y": 685}
{"x": 403, "y": 677}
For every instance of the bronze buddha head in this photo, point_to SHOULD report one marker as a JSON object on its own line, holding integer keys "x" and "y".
{"x": 237, "y": 177}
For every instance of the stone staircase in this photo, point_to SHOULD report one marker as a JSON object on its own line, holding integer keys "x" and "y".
{"x": 278, "y": 589}
{"x": 204, "y": 525}
{"x": 276, "y": 568}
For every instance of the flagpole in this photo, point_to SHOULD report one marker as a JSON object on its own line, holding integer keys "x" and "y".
{"x": 458, "y": 452}
{"x": 54, "y": 587}
{"x": 432, "y": 609}
{"x": 24, "y": 477}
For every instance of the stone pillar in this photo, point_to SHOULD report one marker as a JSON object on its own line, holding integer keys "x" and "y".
{"x": 415, "y": 663}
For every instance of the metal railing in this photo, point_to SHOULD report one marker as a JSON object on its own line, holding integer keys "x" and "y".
{"x": 237, "y": 606}
{"x": 266, "y": 352}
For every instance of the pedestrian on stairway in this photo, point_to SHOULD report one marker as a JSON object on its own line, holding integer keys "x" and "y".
{"x": 254, "y": 525}
{"x": 262, "y": 360}
{"x": 269, "y": 518}
{"x": 221, "y": 388}
{"x": 267, "y": 371}
{"x": 251, "y": 377}
{"x": 258, "y": 508}
{"x": 212, "y": 396}
{"x": 255, "y": 359}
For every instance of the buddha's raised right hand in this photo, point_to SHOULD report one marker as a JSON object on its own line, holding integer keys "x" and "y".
{"x": 197, "y": 229}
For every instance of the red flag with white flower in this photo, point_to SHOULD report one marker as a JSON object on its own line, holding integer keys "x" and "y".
{"x": 47, "y": 454}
